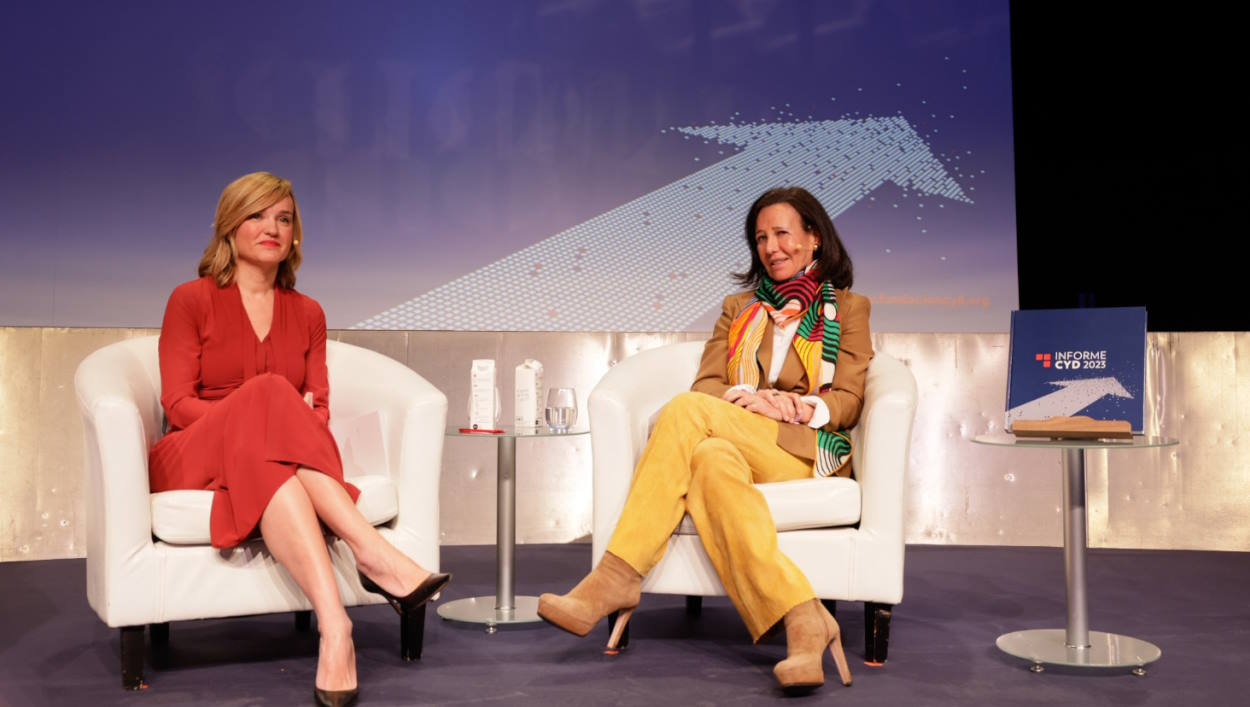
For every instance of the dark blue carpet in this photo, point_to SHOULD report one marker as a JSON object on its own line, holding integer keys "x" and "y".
{"x": 54, "y": 651}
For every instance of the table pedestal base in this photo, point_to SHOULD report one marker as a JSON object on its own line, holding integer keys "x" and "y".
{"x": 481, "y": 610}
{"x": 1048, "y": 646}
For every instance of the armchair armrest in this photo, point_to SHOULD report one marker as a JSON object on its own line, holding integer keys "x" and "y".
{"x": 413, "y": 416}
{"x": 621, "y": 408}
{"x": 417, "y": 456}
{"x": 881, "y": 441}
{"x": 121, "y": 417}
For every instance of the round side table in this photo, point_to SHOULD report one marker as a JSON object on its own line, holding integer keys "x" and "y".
{"x": 504, "y": 607}
{"x": 1076, "y": 645}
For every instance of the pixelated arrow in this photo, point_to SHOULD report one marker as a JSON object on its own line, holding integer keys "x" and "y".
{"x": 1072, "y": 397}
{"x": 657, "y": 263}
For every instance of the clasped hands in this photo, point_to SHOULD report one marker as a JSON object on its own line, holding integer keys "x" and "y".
{"x": 777, "y": 404}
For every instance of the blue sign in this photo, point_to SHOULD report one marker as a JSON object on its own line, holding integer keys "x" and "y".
{"x": 1077, "y": 362}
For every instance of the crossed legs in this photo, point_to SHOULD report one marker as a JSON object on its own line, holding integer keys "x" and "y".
{"x": 737, "y": 532}
{"x": 702, "y": 458}
{"x": 291, "y": 528}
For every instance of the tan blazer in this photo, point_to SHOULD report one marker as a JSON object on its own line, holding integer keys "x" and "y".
{"x": 844, "y": 400}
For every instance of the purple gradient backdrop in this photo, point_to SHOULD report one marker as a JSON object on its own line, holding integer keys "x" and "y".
{"x": 427, "y": 140}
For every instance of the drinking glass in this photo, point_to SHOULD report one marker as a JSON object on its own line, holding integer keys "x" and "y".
{"x": 561, "y": 409}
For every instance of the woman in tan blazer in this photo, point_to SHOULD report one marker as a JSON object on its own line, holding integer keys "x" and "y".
{"x": 780, "y": 382}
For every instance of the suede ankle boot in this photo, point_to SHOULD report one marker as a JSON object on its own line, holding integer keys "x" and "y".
{"x": 611, "y": 586}
{"x": 809, "y": 630}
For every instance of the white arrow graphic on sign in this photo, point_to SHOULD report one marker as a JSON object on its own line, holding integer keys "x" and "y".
{"x": 659, "y": 262}
{"x": 1072, "y": 397}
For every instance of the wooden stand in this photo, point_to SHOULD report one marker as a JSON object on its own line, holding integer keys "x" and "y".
{"x": 1080, "y": 427}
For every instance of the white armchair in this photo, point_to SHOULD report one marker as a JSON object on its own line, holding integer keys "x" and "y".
{"x": 149, "y": 561}
{"x": 845, "y": 534}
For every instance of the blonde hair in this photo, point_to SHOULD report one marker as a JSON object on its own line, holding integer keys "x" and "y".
{"x": 241, "y": 198}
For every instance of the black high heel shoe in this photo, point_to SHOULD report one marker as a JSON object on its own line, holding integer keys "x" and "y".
{"x": 334, "y": 698}
{"x": 414, "y": 599}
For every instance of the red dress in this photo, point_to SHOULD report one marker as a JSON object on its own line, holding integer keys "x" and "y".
{"x": 238, "y": 423}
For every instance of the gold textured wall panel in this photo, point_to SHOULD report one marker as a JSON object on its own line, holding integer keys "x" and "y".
{"x": 1195, "y": 495}
{"x": 41, "y": 439}
{"x": 19, "y": 445}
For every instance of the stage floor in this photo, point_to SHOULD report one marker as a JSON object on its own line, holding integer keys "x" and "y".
{"x": 1193, "y": 605}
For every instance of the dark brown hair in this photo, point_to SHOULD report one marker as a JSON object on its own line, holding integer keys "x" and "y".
{"x": 832, "y": 261}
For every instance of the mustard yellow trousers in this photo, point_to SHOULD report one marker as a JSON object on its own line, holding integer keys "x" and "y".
{"x": 703, "y": 457}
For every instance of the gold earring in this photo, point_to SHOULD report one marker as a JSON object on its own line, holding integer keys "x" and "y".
{"x": 297, "y": 242}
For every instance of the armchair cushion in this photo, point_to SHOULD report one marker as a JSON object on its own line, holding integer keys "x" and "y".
{"x": 804, "y": 504}
{"x": 181, "y": 517}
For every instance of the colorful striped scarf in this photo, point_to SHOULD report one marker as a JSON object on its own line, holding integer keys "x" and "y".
{"x": 815, "y": 305}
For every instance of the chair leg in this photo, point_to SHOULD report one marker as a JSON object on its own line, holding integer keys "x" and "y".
{"x": 303, "y": 621}
{"x": 694, "y": 607}
{"x": 831, "y": 605}
{"x": 412, "y": 633}
{"x": 132, "y": 657}
{"x": 877, "y": 631}
{"x": 159, "y": 635}
{"x": 624, "y": 642}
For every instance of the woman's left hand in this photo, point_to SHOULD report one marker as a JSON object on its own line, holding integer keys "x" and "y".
{"x": 752, "y": 402}
{"x": 776, "y": 404}
{"x": 790, "y": 405}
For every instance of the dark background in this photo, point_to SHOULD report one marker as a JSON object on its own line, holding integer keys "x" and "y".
{"x": 1130, "y": 161}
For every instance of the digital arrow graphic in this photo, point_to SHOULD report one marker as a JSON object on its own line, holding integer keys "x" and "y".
{"x": 1072, "y": 397}
{"x": 658, "y": 262}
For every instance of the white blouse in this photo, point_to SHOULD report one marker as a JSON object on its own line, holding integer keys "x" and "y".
{"x": 783, "y": 339}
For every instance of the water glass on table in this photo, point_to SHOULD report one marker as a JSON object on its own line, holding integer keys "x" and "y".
{"x": 561, "y": 411}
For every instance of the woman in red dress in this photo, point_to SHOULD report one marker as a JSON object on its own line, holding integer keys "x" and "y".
{"x": 245, "y": 388}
